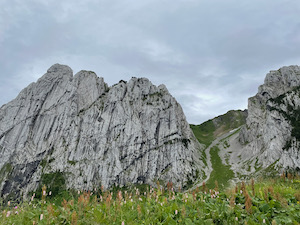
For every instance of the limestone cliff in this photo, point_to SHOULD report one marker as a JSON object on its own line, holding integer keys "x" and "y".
{"x": 271, "y": 138}
{"x": 132, "y": 132}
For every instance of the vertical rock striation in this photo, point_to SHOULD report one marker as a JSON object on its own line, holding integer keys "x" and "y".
{"x": 271, "y": 137}
{"x": 132, "y": 132}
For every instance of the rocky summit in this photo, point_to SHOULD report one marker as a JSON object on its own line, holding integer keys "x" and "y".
{"x": 93, "y": 134}
{"x": 268, "y": 144}
{"x": 272, "y": 131}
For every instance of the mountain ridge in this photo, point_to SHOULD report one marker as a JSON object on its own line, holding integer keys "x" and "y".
{"x": 131, "y": 132}
{"x": 80, "y": 132}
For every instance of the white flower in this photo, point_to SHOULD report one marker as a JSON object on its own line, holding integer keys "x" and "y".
{"x": 41, "y": 217}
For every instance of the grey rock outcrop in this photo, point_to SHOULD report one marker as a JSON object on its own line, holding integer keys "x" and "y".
{"x": 270, "y": 139}
{"x": 132, "y": 132}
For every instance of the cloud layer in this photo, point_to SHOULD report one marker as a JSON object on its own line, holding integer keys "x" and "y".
{"x": 211, "y": 54}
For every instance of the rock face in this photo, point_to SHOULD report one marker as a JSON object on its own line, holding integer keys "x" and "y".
{"x": 271, "y": 137}
{"x": 132, "y": 132}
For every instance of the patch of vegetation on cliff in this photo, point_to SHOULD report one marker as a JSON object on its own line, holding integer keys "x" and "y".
{"x": 54, "y": 181}
{"x": 292, "y": 114}
{"x": 5, "y": 170}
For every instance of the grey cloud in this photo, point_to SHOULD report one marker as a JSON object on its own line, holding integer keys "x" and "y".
{"x": 212, "y": 55}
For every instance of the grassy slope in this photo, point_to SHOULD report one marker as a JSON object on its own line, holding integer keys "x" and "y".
{"x": 207, "y": 132}
{"x": 211, "y": 129}
{"x": 221, "y": 173}
{"x": 270, "y": 202}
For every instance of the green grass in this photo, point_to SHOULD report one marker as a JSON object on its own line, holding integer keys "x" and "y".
{"x": 221, "y": 173}
{"x": 204, "y": 132}
{"x": 268, "y": 201}
{"x": 208, "y": 131}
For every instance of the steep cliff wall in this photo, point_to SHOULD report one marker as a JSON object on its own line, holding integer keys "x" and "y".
{"x": 271, "y": 137}
{"x": 94, "y": 134}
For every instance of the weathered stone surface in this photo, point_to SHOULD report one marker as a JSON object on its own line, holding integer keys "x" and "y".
{"x": 268, "y": 139}
{"x": 128, "y": 133}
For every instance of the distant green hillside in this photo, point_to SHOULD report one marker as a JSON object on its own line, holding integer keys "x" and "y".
{"x": 211, "y": 129}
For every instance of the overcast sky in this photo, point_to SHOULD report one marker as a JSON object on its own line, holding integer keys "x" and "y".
{"x": 211, "y": 54}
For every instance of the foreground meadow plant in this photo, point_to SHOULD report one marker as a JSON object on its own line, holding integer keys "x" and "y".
{"x": 269, "y": 202}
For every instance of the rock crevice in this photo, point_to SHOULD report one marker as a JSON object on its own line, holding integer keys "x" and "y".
{"x": 94, "y": 134}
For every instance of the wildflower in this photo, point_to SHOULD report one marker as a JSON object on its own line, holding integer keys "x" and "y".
{"x": 44, "y": 193}
{"x": 236, "y": 219}
{"x": 8, "y": 203}
{"x": 16, "y": 212}
{"x": 78, "y": 192}
{"x": 241, "y": 191}
{"x": 141, "y": 199}
{"x": 8, "y": 214}
{"x": 32, "y": 197}
{"x": 41, "y": 217}
{"x": 176, "y": 212}
{"x": 123, "y": 223}
{"x": 264, "y": 221}
{"x": 50, "y": 193}
{"x": 16, "y": 207}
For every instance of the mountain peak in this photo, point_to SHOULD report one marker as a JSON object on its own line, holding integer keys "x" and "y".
{"x": 132, "y": 132}
{"x": 59, "y": 68}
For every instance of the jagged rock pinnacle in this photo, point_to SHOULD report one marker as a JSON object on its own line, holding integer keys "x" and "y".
{"x": 132, "y": 132}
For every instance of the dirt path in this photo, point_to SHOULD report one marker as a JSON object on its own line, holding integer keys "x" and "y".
{"x": 208, "y": 155}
